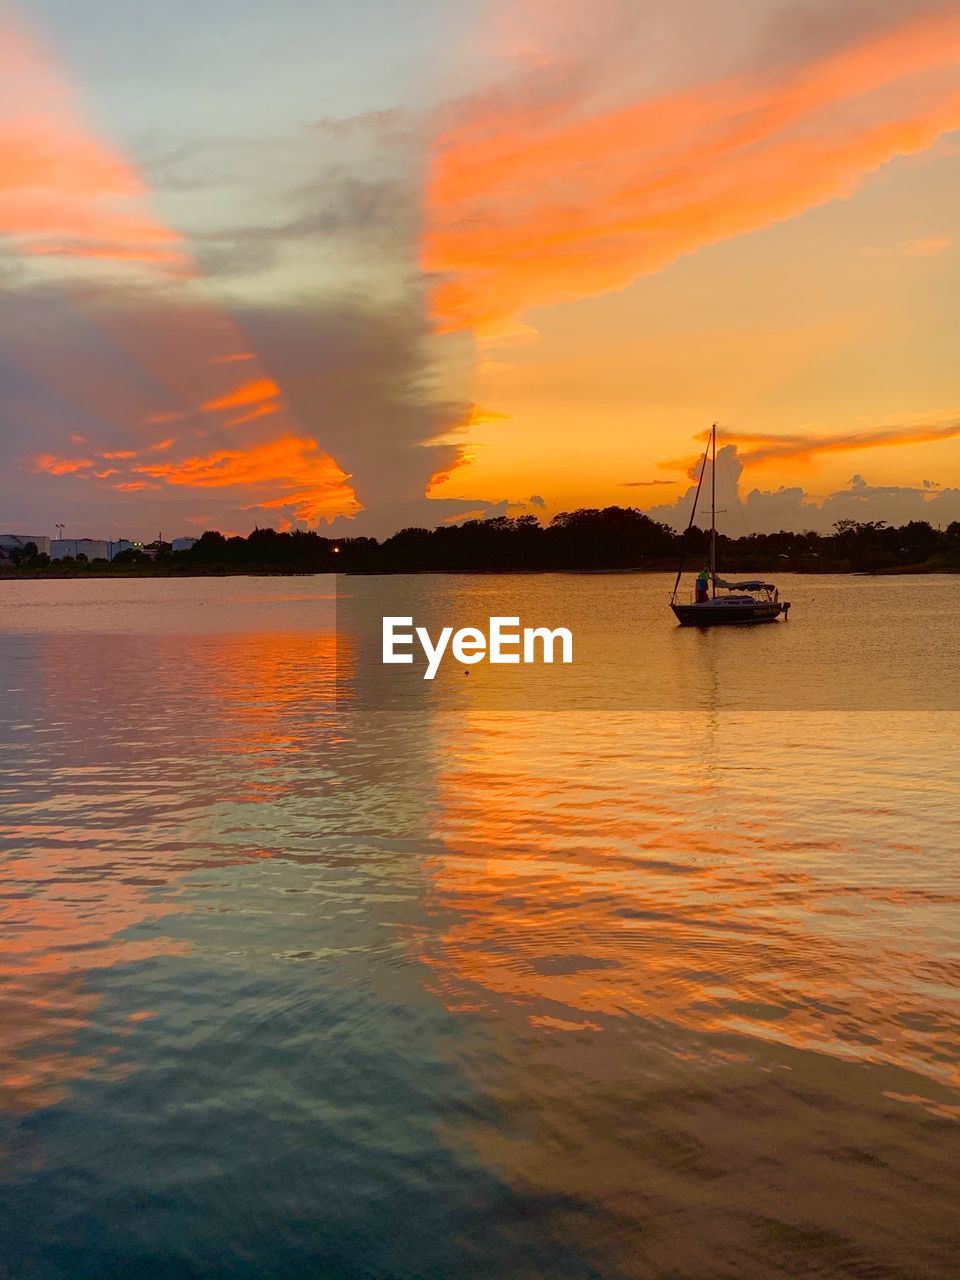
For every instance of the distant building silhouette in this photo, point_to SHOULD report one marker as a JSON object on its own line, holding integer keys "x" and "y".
{"x": 92, "y": 548}
{"x": 10, "y": 542}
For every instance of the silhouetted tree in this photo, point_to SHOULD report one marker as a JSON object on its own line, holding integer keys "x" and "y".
{"x": 586, "y": 539}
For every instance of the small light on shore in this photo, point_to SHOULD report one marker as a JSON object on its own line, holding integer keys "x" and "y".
{"x": 335, "y": 550}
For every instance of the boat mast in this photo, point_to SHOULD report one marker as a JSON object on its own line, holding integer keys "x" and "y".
{"x": 713, "y": 513}
{"x": 693, "y": 516}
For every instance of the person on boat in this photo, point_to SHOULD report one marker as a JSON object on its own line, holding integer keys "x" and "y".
{"x": 703, "y": 586}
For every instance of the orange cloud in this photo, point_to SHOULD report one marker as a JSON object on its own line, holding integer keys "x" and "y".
{"x": 161, "y": 419}
{"x": 105, "y": 252}
{"x": 261, "y": 411}
{"x": 302, "y": 476}
{"x": 763, "y": 448}
{"x": 542, "y": 207}
{"x": 459, "y": 456}
{"x": 67, "y": 193}
{"x": 460, "y": 460}
{"x": 305, "y": 475}
{"x": 55, "y": 466}
{"x": 62, "y": 190}
{"x": 249, "y": 393}
{"x": 756, "y": 448}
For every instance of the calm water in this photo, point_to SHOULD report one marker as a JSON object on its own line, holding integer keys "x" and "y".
{"x": 296, "y": 988}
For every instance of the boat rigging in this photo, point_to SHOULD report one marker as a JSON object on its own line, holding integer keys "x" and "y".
{"x": 749, "y": 601}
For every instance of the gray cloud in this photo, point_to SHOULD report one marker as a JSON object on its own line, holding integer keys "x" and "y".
{"x": 812, "y": 29}
{"x": 370, "y": 214}
{"x": 791, "y": 508}
{"x": 357, "y": 379}
{"x": 392, "y": 125}
{"x": 356, "y": 361}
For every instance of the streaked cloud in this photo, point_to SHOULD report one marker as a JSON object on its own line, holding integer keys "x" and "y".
{"x": 251, "y": 415}
{"x": 805, "y": 447}
{"x": 253, "y": 392}
{"x": 919, "y": 247}
{"x": 533, "y": 202}
{"x": 63, "y": 191}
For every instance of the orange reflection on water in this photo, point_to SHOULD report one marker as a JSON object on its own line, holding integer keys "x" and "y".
{"x": 58, "y": 925}
{"x": 697, "y": 1023}
{"x": 275, "y": 688}
{"x": 99, "y": 849}
{"x": 599, "y": 867}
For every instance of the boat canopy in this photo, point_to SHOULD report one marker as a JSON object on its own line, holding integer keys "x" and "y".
{"x": 753, "y": 585}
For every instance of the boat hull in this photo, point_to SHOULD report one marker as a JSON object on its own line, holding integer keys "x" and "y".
{"x": 713, "y": 614}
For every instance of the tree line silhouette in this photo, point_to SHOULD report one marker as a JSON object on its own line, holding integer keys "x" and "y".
{"x": 587, "y": 539}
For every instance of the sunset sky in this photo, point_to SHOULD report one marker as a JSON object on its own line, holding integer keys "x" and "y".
{"x": 392, "y": 262}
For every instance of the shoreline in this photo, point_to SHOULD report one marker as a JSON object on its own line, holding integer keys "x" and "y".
{"x": 41, "y": 575}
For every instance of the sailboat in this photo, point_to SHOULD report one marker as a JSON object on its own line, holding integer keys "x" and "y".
{"x": 750, "y": 601}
